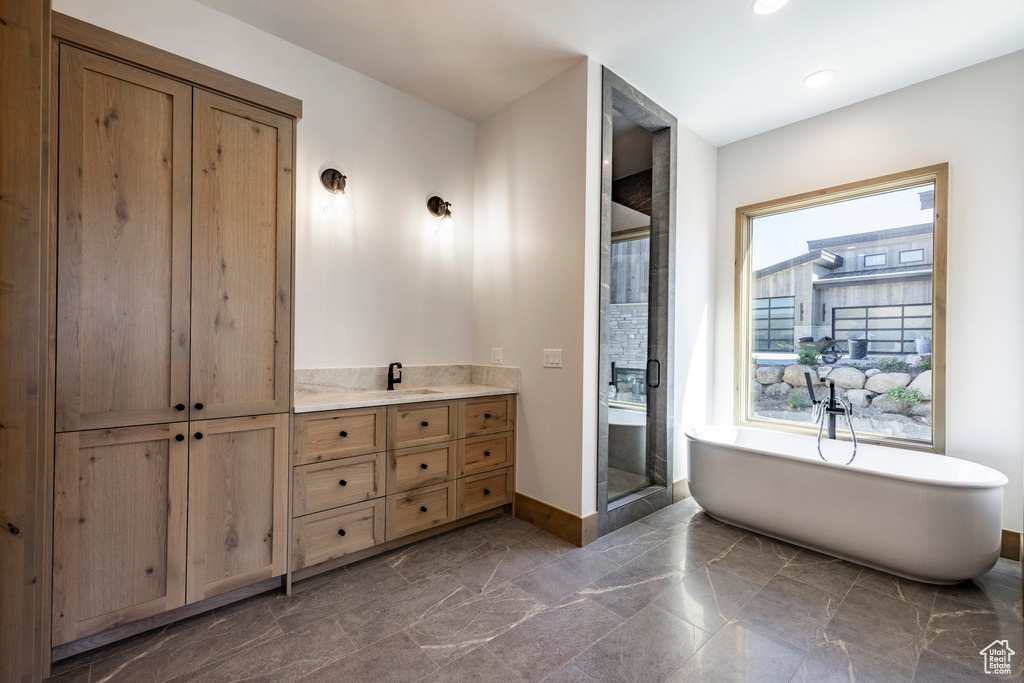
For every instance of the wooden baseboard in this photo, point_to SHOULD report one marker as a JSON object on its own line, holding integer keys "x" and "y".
{"x": 1011, "y": 545}
{"x": 567, "y": 526}
{"x": 680, "y": 489}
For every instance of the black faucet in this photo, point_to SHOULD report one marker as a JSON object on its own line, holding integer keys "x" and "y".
{"x": 391, "y": 375}
{"x": 830, "y": 405}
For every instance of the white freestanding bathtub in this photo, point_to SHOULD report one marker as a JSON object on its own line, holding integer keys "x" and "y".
{"x": 922, "y": 516}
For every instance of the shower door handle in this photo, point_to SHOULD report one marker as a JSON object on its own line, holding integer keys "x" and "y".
{"x": 657, "y": 382}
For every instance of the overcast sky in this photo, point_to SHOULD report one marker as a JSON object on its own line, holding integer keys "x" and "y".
{"x": 782, "y": 236}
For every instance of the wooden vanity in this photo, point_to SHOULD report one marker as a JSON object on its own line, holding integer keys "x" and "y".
{"x": 368, "y": 479}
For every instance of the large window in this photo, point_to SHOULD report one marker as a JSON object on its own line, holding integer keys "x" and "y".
{"x": 840, "y": 284}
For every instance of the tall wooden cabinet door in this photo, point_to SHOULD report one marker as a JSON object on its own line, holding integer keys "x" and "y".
{"x": 237, "y": 503}
{"x": 118, "y": 527}
{"x": 241, "y": 262}
{"x": 123, "y": 244}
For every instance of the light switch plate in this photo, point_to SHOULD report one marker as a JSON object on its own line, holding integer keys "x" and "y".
{"x": 552, "y": 358}
{"x": 496, "y": 356}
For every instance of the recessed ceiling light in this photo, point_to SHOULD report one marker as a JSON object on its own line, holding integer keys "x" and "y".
{"x": 768, "y": 6}
{"x": 819, "y": 78}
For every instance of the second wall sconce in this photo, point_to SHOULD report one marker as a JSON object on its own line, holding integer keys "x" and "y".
{"x": 443, "y": 210}
{"x": 334, "y": 182}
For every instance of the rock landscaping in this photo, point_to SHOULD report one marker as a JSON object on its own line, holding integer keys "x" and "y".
{"x": 893, "y": 399}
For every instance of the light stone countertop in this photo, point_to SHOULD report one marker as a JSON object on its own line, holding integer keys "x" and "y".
{"x": 313, "y": 401}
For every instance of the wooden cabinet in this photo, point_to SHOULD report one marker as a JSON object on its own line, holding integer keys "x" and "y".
{"x": 419, "y": 509}
{"x": 418, "y": 424}
{"x": 123, "y": 249}
{"x": 487, "y": 415}
{"x": 335, "y": 533}
{"x": 119, "y": 527}
{"x": 484, "y": 453}
{"x": 484, "y": 491}
{"x": 241, "y": 259}
{"x": 338, "y": 434}
{"x": 411, "y": 468}
{"x": 331, "y": 484}
{"x": 237, "y": 503}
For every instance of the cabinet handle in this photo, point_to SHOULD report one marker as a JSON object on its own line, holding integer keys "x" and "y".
{"x": 424, "y": 424}
{"x": 343, "y": 483}
{"x": 423, "y": 508}
{"x": 486, "y": 453}
{"x": 180, "y": 407}
{"x": 199, "y": 406}
{"x": 487, "y": 416}
{"x": 423, "y": 466}
{"x": 343, "y": 434}
{"x": 199, "y": 435}
{"x": 179, "y": 437}
{"x": 487, "y": 492}
{"x": 341, "y": 532}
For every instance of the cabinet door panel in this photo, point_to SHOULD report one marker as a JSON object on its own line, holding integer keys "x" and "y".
{"x": 241, "y": 264}
{"x": 123, "y": 244}
{"x": 237, "y": 503}
{"x": 118, "y": 527}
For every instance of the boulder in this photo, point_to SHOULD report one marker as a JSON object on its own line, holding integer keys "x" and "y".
{"x": 913, "y": 360}
{"x": 922, "y": 410}
{"x": 859, "y": 398}
{"x": 780, "y": 389}
{"x": 794, "y": 375}
{"x": 768, "y": 374}
{"x": 871, "y": 372}
{"x": 848, "y": 378}
{"x": 823, "y": 371}
{"x": 884, "y": 404}
{"x": 923, "y": 383}
{"x": 755, "y": 389}
{"x": 885, "y": 381}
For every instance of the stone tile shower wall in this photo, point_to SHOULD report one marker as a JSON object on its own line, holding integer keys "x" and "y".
{"x": 627, "y": 328}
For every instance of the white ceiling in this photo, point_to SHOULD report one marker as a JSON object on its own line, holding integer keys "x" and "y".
{"x": 725, "y": 72}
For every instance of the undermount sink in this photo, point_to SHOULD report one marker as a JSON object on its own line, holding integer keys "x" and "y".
{"x": 400, "y": 392}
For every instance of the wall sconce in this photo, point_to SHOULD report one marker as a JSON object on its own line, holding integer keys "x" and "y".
{"x": 334, "y": 182}
{"x": 442, "y": 209}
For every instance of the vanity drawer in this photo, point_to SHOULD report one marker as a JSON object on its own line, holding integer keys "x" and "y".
{"x": 484, "y": 491}
{"x": 485, "y": 453}
{"x": 420, "y": 509}
{"x": 487, "y": 415}
{"x": 419, "y": 424}
{"x": 338, "y": 434}
{"x": 331, "y": 484}
{"x": 329, "y": 535}
{"x": 411, "y": 468}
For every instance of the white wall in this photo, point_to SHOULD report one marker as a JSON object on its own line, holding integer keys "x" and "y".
{"x": 973, "y": 119}
{"x": 379, "y": 286}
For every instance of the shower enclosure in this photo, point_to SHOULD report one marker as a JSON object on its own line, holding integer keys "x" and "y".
{"x": 637, "y": 301}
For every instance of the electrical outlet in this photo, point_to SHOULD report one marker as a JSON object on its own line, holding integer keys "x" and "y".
{"x": 496, "y": 356}
{"x": 552, "y": 358}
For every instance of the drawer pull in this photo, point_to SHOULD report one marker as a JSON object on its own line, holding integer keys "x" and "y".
{"x": 180, "y": 407}
{"x": 341, "y": 532}
{"x": 342, "y": 483}
{"x": 199, "y": 435}
{"x": 487, "y": 492}
{"x": 423, "y": 466}
{"x": 179, "y": 437}
{"x": 424, "y": 424}
{"x": 199, "y": 406}
{"x": 486, "y": 453}
{"x": 487, "y": 416}
{"x": 343, "y": 434}
{"x": 423, "y": 508}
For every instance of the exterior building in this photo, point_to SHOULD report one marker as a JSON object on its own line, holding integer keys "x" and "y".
{"x": 872, "y": 285}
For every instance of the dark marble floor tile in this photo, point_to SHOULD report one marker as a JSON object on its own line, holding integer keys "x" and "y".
{"x": 689, "y": 550}
{"x": 345, "y": 591}
{"x": 934, "y": 668}
{"x": 393, "y": 612}
{"x": 880, "y": 625}
{"x": 913, "y": 592}
{"x": 757, "y": 568}
{"x": 569, "y": 674}
{"x": 627, "y": 543}
{"x": 647, "y": 648}
{"x": 450, "y": 634}
{"x": 768, "y": 547}
{"x": 504, "y": 530}
{"x": 327, "y": 577}
{"x": 708, "y": 598}
{"x": 706, "y": 522}
{"x": 396, "y": 659}
{"x": 633, "y": 586}
{"x": 997, "y": 588}
{"x": 959, "y": 631}
{"x": 674, "y": 518}
{"x": 788, "y": 609}
{"x": 551, "y": 544}
{"x": 739, "y": 653}
{"x": 78, "y": 674}
{"x": 548, "y": 640}
{"x": 503, "y": 564}
{"x": 554, "y": 581}
{"x": 839, "y": 662}
{"x": 828, "y": 573}
{"x": 438, "y": 555}
{"x": 479, "y": 666}
{"x": 180, "y": 651}
{"x": 284, "y": 658}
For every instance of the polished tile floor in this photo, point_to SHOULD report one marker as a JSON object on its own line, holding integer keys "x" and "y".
{"x": 676, "y": 597}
